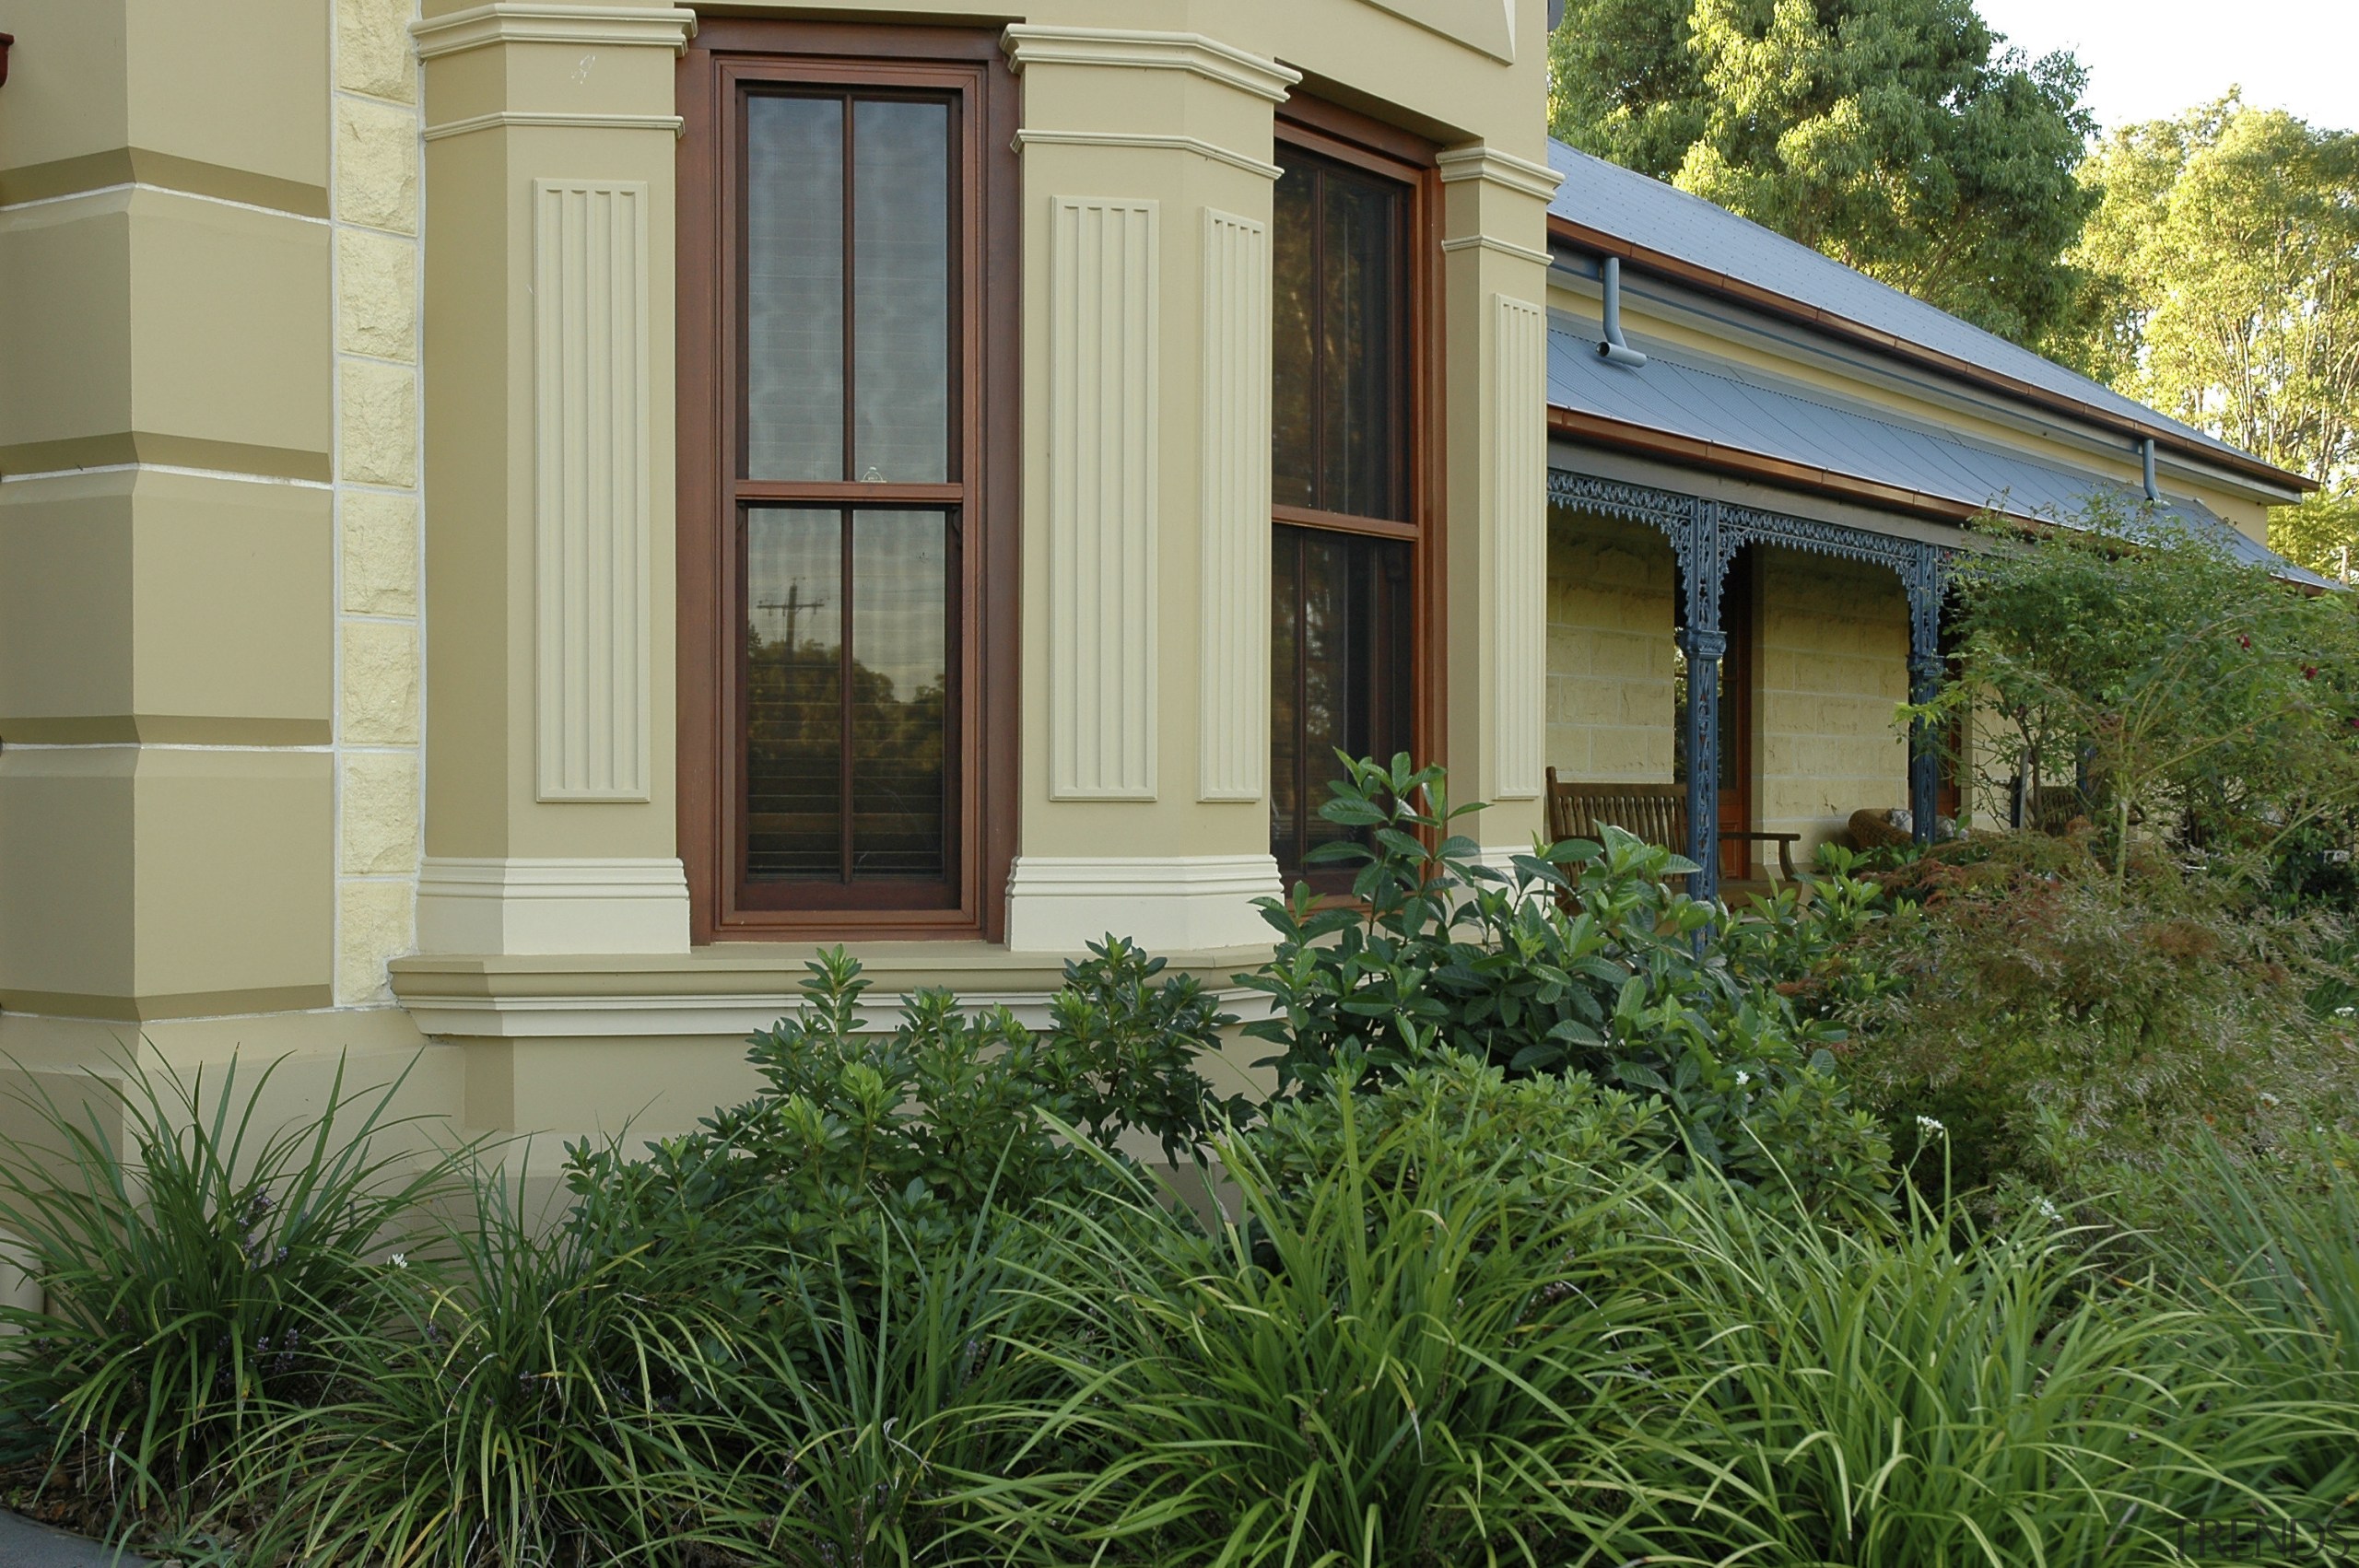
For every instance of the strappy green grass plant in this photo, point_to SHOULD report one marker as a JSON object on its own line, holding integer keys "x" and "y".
{"x": 910, "y": 1421}
{"x": 1360, "y": 1371}
{"x": 1945, "y": 1397}
{"x": 535, "y": 1400}
{"x": 194, "y": 1263}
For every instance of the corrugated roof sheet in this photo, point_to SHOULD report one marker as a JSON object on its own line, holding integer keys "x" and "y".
{"x": 1723, "y": 405}
{"x": 1650, "y": 213}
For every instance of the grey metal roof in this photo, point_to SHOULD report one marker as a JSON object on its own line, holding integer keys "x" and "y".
{"x": 1723, "y": 405}
{"x": 1659, "y": 217}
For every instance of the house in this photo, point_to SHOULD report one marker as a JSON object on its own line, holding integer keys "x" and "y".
{"x": 519, "y": 522}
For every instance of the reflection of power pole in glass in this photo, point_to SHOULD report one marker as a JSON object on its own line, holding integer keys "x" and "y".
{"x": 794, "y": 604}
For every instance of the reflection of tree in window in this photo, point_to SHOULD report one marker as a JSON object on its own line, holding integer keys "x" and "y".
{"x": 822, "y": 730}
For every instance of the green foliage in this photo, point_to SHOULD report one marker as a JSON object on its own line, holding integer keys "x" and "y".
{"x": 2202, "y": 698}
{"x": 1895, "y": 136}
{"x": 2225, "y": 261}
{"x": 197, "y": 1250}
{"x": 2076, "y": 1030}
{"x": 518, "y": 1400}
{"x": 1401, "y": 1359}
{"x": 1636, "y": 986}
{"x": 1945, "y": 1396}
{"x": 919, "y": 1126}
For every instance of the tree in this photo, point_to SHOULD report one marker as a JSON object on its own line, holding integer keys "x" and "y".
{"x": 2224, "y": 266}
{"x": 2191, "y": 691}
{"x": 1895, "y": 136}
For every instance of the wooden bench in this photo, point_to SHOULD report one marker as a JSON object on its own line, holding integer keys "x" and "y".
{"x": 1654, "y": 813}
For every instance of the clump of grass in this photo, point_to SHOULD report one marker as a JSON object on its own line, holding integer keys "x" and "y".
{"x": 1945, "y": 1395}
{"x": 524, "y": 1397}
{"x": 193, "y": 1268}
{"x": 1362, "y": 1370}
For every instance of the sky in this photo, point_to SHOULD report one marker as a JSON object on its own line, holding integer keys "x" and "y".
{"x": 2148, "y": 59}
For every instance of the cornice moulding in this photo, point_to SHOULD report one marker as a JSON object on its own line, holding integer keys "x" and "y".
{"x": 1480, "y": 162}
{"x": 1493, "y": 242}
{"x": 1029, "y": 44}
{"x": 535, "y": 21}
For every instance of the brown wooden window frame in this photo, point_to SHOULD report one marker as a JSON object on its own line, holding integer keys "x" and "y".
{"x": 1329, "y": 131}
{"x": 966, "y": 67}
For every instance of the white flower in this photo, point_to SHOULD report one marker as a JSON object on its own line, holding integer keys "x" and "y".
{"x": 2048, "y": 1211}
{"x": 1926, "y": 1123}
{"x": 2347, "y": 1013}
{"x": 399, "y": 1261}
{"x": 1742, "y": 1078}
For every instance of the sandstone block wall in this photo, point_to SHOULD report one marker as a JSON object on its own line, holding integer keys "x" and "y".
{"x": 375, "y": 212}
{"x": 1611, "y": 591}
{"x": 1833, "y": 666}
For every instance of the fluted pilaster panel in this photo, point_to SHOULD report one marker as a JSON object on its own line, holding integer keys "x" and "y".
{"x": 1520, "y": 550}
{"x": 1233, "y": 667}
{"x": 591, "y": 503}
{"x": 1102, "y": 484}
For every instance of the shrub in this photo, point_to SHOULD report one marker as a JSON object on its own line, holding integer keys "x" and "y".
{"x": 1636, "y": 986}
{"x": 530, "y": 1398}
{"x": 857, "y": 1136}
{"x": 2069, "y": 1024}
{"x": 194, "y": 1270}
{"x": 1906, "y": 1398}
{"x": 1392, "y": 1361}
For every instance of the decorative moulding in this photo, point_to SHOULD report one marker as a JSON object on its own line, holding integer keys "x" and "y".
{"x": 1480, "y": 162}
{"x": 1103, "y": 430}
{"x": 1153, "y": 141}
{"x": 593, "y": 495}
{"x": 491, "y": 904}
{"x": 538, "y": 21}
{"x": 1233, "y": 650}
{"x": 1029, "y": 44}
{"x": 1520, "y": 550}
{"x": 1504, "y": 247}
{"x": 557, "y": 120}
{"x": 1167, "y": 903}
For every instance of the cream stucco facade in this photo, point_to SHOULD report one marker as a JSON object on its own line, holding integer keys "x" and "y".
{"x": 274, "y": 705}
{"x": 339, "y": 593}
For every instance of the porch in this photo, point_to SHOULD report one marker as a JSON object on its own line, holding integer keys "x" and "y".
{"x": 1799, "y": 635}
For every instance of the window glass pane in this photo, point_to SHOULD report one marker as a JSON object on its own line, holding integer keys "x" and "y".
{"x": 793, "y": 694}
{"x": 901, "y": 292}
{"x": 1341, "y": 672}
{"x": 1362, "y": 303}
{"x": 900, "y": 690}
{"x": 1286, "y": 685}
{"x": 1292, "y": 317}
{"x": 795, "y": 288}
{"x": 1332, "y": 698}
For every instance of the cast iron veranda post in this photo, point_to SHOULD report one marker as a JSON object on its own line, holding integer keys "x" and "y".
{"x": 1925, "y": 592}
{"x": 1703, "y": 565}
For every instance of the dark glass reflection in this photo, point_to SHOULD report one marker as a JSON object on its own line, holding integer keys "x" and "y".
{"x": 1339, "y": 426}
{"x": 794, "y": 646}
{"x": 845, "y": 707}
{"x": 795, "y": 288}
{"x": 900, "y": 291}
{"x": 900, "y": 683}
{"x": 1341, "y": 672}
{"x": 1293, "y": 329}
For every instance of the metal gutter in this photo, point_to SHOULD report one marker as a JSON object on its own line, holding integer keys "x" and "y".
{"x": 1582, "y": 237}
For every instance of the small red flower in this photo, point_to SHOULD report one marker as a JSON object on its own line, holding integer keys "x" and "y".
{"x": 2309, "y": 672}
{"x": 2243, "y": 641}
